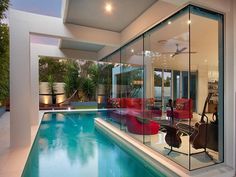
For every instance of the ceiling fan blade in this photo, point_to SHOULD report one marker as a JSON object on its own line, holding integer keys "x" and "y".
{"x": 168, "y": 52}
{"x": 181, "y": 50}
{"x": 188, "y": 52}
{"x": 174, "y": 54}
{"x": 182, "y": 53}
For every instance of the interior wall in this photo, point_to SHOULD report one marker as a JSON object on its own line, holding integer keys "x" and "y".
{"x": 202, "y": 88}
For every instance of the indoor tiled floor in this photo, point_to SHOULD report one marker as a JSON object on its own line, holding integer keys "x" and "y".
{"x": 158, "y": 143}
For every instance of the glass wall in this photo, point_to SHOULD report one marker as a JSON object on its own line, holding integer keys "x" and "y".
{"x": 166, "y": 88}
{"x": 206, "y": 41}
{"x": 132, "y": 77}
{"x": 169, "y": 43}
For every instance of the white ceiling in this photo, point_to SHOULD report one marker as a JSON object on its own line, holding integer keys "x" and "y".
{"x": 91, "y": 13}
{"x": 203, "y": 41}
{"x": 69, "y": 44}
{"x": 204, "y": 33}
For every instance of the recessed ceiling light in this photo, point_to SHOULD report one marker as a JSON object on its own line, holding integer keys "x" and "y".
{"x": 108, "y": 7}
{"x": 132, "y": 50}
{"x": 189, "y": 22}
{"x": 169, "y": 22}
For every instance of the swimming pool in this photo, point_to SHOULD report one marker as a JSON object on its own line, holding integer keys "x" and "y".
{"x": 67, "y": 144}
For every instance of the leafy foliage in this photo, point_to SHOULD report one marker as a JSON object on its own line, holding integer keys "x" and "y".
{"x": 51, "y": 66}
{"x": 88, "y": 88}
{"x": 132, "y": 80}
{"x": 4, "y": 4}
{"x": 51, "y": 84}
{"x": 105, "y": 77}
{"x": 157, "y": 80}
{"x": 4, "y": 62}
{"x": 71, "y": 78}
{"x": 167, "y": 81}
{"x": 76, "y": 74}
{"x": 93, "y": 73}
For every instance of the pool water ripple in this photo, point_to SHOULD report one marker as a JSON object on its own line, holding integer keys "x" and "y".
{"x": 67, "y": 145}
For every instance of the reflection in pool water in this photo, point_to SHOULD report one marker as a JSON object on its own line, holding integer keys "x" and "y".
{"x": 67, "y": 144}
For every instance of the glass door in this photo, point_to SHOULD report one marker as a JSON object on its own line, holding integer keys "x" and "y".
{"x": 162, "y": 87}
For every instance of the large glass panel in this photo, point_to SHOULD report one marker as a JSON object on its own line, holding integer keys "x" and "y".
{"x": 165, "y": 88}
{"x": 132, "y": 77}
{"x": 206, "y": 87}
{"x": 166, "y": 49}
{"x": 104, "y": 89}
{"x": 112, "y": 86}
{"x": 158, "y": 91}
{"x": 176, "y": 84}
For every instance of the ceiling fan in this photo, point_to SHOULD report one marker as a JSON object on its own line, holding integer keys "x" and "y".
{"x": 178, "y": 51}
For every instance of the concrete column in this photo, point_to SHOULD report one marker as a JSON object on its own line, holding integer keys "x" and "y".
{"x": 34, "y": 71}
{"x": 19, "y": 84}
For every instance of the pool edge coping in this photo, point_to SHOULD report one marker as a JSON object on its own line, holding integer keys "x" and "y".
{"x": 216, "y": 170}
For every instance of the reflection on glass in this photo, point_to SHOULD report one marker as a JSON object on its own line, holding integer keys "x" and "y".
{"x": 207, "y": 84}
{"x": 177, "y": 64}
{"x": 74, "y": 148}
{"x": 158, "y": 87}
{"x": 132, "y": 76}
{"x": 169, "y": 45}
{"x": 176, "y": 84}
{"x": 167, "y": 87}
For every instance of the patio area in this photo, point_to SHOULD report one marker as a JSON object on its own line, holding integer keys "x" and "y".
{"x": 12, "y": 160}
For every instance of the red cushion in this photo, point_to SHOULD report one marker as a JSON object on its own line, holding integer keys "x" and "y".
{"x": 134, "y": 103}
{"x": 136, "y": 127}
{"x": 123, "y": 102}
{"x": 128, "y": 103}
{"x": 187, "y": 103}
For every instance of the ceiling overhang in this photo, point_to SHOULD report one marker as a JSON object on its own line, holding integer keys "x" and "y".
{"x": 92, "y": 13}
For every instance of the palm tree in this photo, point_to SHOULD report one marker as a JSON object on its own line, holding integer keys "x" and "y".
{"x": 93, "y": 73}
{"x": 88, "y": 88}
{"x": 71, "y": 79}
{"x": 51, "y": 85}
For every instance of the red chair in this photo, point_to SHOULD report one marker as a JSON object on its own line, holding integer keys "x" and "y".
{"x": 141, "y": 127}
{"x": 183, "y": 109}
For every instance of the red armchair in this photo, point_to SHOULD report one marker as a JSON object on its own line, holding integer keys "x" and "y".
{"x": 125, "y": 106}
{"x": 183, "y": 109}
{"x": 144, "y": 126}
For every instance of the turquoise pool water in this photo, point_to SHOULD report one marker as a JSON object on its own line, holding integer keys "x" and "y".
{"x": 68, "y": 145}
